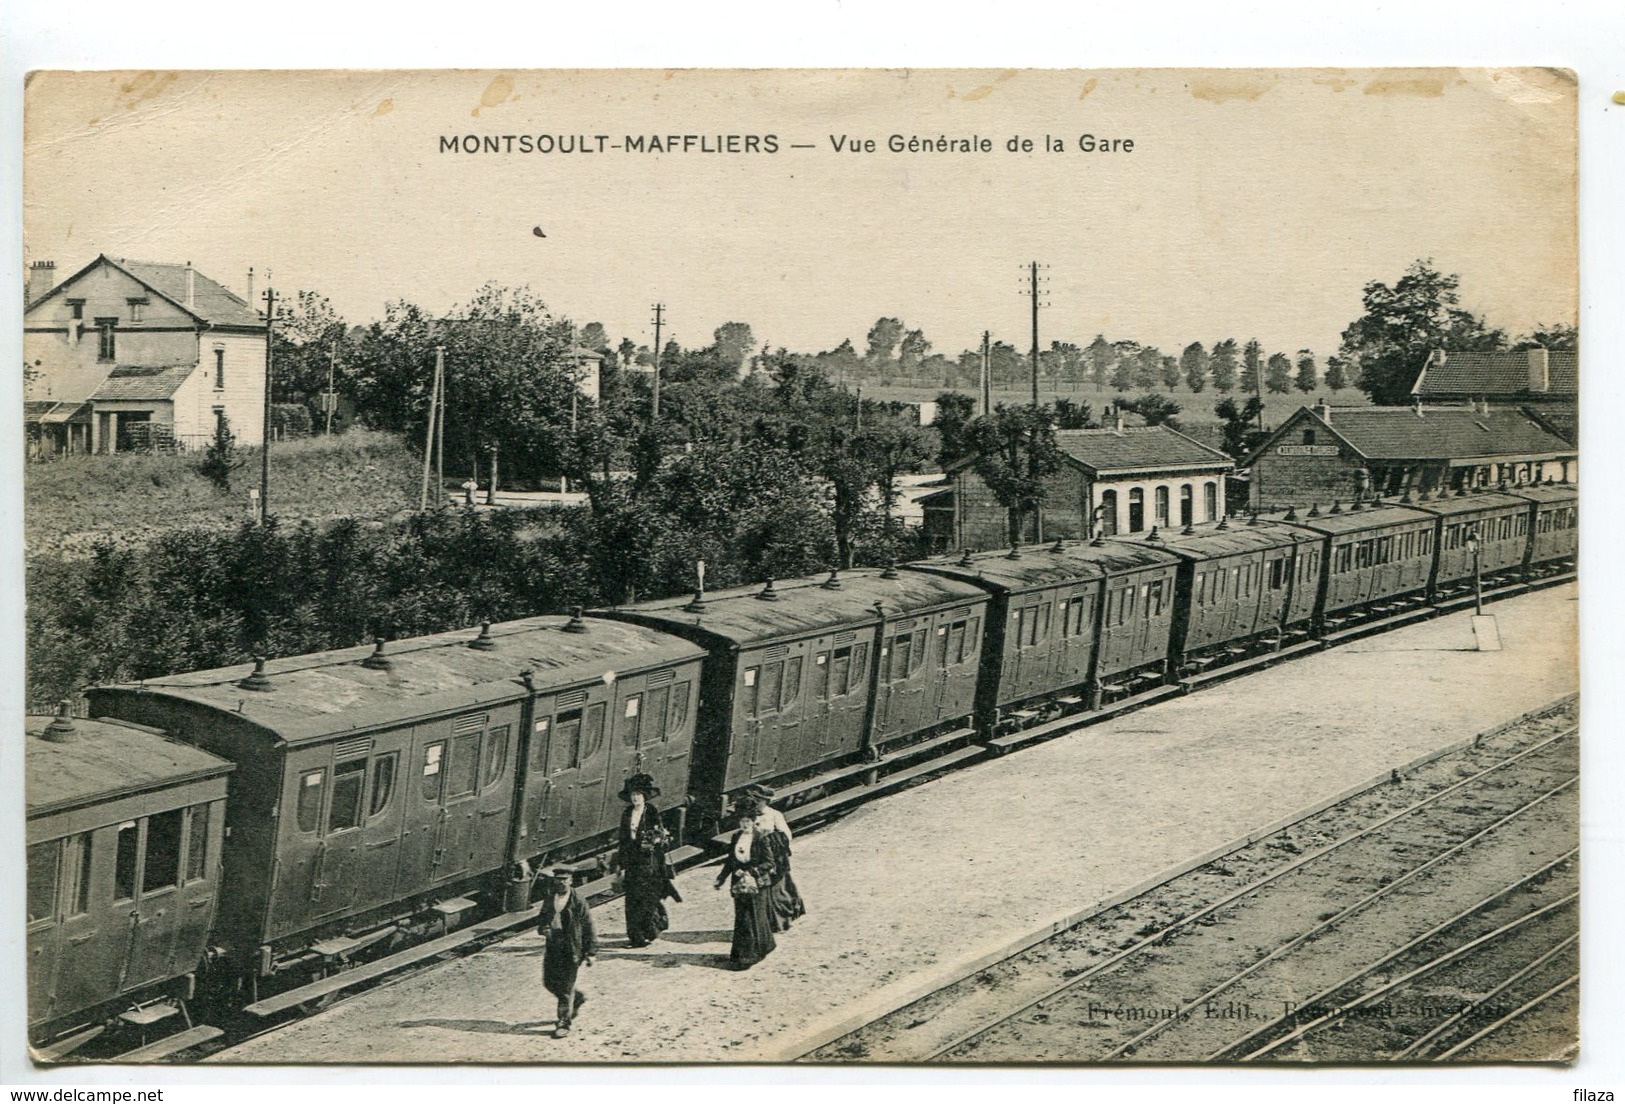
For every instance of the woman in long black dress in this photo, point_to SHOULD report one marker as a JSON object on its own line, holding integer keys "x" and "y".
{"x": 747, "y": 870}
{"x": 784, "y": 901}
{"x": 641, "y": 858}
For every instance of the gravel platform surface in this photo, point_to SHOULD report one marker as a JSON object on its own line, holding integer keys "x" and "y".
{"x": 915, "y": 887}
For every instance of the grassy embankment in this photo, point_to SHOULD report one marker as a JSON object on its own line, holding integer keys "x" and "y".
{"x": 71, "y": 503}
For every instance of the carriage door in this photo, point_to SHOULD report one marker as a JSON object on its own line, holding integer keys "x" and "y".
{"x": 446, "y": 806}
{"x": 93, "y": 933}
{"x": 565, "y": 744}
{"x": 152, "y": 884}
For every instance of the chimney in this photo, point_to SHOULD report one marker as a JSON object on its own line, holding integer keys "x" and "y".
{"x": 1323, "y": 411}
{"x": 250, "y": 299}
{"x": 1540, "y": 370}
{"x": 41, "y": 279}
{"x": 191, "y": 287}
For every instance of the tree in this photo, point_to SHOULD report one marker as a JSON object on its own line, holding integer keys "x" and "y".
{"x": 1147, "y": 366}
{"x": 1307, "y": 378}
{"x": 733, "y": 342}
{"x": 1015, "y": 453}
{"x": 1193, "y": 360}
{"x": 1388, "y": 345}
{"x": 1278, "y": 376}
{"x": 1252, "y": 360}
{"x": 1065, "y": 362}
{"x": 1154, "y": 408}
{"x": 220, "y": 459}
{"x": 594, "y": 337}
{"x": 1170, "y": 372}
{"x": 1071, "y": 415}
{"x": 306, "y": 346}
{"x": 840, "y": 362}
{"x": 1549, "y": 336}
{"x": 1100, "y": 358}
{"x": 912, "y": 351}
{"x": 1336, "y": 373}
{"x": 628, "y": 349}
{"x": 1240, "y": 432}
{"x": 955, "y": 412}
{"x": 1125, "y": 359}
{"x": 883, "y": 338}
{"x": 1222, "y": 364}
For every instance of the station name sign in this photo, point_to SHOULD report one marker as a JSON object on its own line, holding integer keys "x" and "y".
{"x": 1306, "y": 450}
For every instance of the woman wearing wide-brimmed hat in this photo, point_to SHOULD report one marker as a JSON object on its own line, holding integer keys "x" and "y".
{"x": 747, "y": 870}
{"x": 641, "y": 859}
{"x": 784, "y": 899}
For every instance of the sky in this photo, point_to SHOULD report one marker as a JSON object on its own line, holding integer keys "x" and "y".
{"x": 1254, "y": 203}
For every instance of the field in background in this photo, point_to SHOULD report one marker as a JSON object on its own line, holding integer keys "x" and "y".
{"x": 71, "y": 503}
{"x": 1195, "y": 410}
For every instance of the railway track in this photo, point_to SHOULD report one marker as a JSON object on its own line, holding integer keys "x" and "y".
{"x": 1247, "y": 943}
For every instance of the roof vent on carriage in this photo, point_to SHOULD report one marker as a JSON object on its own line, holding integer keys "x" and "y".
{"x": 377, "y": 661}
{"x": 483, "y": 642}
{"x": 256, "y": 679}
{"x": 576, "y": 624}
{"x": 767, "y": 593}
{"x": 890, "y": 572}
{"x": 61, "y": 730}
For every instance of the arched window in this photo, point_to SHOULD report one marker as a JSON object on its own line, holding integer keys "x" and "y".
{"x": 1162, "y": 507}
{"x": 1136, "y": 509}
{"x": 1187, "y": 503}
{"x": 1108, "y": 513}
{"x": 1210, "y": 499}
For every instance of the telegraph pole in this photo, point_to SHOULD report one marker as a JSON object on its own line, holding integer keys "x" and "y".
{"x": 987, "y": 374}
{"x": 332, "y": 400}
{"x": 660, "y": 310}
{"x": 1033, "y": 291}
{"x": 429, "y": 435}
{"x": 265, "y": 426}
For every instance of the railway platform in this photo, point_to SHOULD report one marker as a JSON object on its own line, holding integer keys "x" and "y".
{"x": 921, "y": 888}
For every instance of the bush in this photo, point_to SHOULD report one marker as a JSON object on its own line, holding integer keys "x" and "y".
{"x": 290, "y": 420}
{"x": 220, "y": 459}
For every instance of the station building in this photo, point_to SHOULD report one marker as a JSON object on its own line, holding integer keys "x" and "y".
{"x": 1116, "y": 480}
{"x": 1542, "y": 382}
{"x": 1322, "y": 455}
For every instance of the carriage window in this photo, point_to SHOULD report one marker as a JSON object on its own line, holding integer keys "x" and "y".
{"x": 1043, "y": 622}
{"x": 954, "y": 651}
{"x": 81, "y": 847}
{"x": 463, "y": 776}
{"x": 432, "y": 762}
{"x": 592, "y": 732}
{"x": 821, "y": 676}
{"x": 772, "y": 683}
{"x": 197, "y": 843}
{"x": 383, "y": 782}
{"x": 349, "y": 782}
{"x": 840, "y": 667}
{"x": 43, "y": 859}
{"x": 918, "y": 659}
{"x": 971, "y": 627}
{"x": 860, "y": 664}
{"x": 309, "y": 804}
{"x": 496, "y": 754}
{"x": 679, "y": 703}
{"x": 792, "y": 683}
{"x": 568, "y": 735}
{"x": 1153, "y": 601}
{"x": 897, "y": 667}
{"x": 750, "y": 691}
{"x": 124, "y": 866}
{"x": 632, "y": 719}
{"x": 1278, "y": 573}
{"x": 655, "y": 730}
{"x": 1201, "y": 588}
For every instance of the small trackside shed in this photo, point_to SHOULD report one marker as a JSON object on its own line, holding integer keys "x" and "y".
{"x": 1237, "y": 582}
{"x": 124, "y": 834}
{"x": 822, "y": 670}
{"x": 377, "y": 785}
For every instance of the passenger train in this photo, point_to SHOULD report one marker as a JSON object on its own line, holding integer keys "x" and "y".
{"x": 244, "y": 829}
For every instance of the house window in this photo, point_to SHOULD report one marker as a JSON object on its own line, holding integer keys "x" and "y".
{"x": 1210, "y": 499}
{"x": 106, "y": 349}
{"x": 1136, "y": 510}
{"x": 1308, "y": 436}
{"x": 136, "y": 308}
{"x": 1162, "y": 506}
{"x": 1108, "y": 513}
{"x": 1187, "y": 504}
{"x": 219, "y": 368}
{"x": 77, "y": 306}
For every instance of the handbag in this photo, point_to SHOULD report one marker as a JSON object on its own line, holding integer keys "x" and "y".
{"x": 743, "y": 884}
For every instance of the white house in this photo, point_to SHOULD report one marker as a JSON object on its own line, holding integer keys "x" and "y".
{"x": 129, "y": 353}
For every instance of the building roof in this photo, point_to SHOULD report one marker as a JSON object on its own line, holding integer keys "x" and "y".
{"x": 212, "y": 302}
{"x": 739, "y": 615}
{"x": 1431, "y": 433}
{"x": 1137, "y": 448}
{"x": 142, "y": 383}
{"x": 104, "y": 758}
{"x": 317, "y": 695}
{"x": 1499, "y": 373}
{"x": 51, "y": 411}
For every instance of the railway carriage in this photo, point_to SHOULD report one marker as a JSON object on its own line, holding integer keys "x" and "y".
{"x": 378, "y": 787}
{"x": 1554, "y": 525}
{"x": 1498, "y": 522}
{"x": 124, "y": 839}
{"x": 1372, "y": 556}
{"x": 1239, "y": 583}
{"x": 816, "y": 671}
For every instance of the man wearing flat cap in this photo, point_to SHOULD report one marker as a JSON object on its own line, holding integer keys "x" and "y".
{"x": 566, "y": 923}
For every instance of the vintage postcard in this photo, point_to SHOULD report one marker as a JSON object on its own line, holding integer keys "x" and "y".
{"x": 824, "y": 566}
